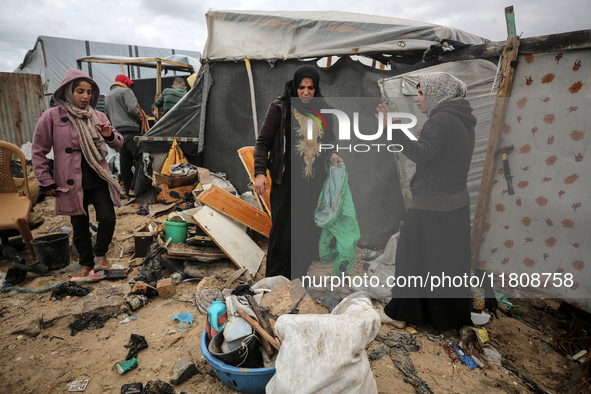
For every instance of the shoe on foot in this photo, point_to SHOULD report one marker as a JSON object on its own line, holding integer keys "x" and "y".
{"x": 388, "y": 320}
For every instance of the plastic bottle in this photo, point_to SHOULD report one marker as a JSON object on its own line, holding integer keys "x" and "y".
{"x": 216, "y": 318}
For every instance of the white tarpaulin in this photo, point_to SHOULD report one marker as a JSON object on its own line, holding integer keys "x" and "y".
{"x": 291, "y": 35}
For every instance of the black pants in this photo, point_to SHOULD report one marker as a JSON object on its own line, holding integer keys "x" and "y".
{"x": 129, "y": 154}
{"x": 100, "y": 198}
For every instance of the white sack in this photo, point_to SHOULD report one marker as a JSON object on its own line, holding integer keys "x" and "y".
{"x": 326, "y": 353}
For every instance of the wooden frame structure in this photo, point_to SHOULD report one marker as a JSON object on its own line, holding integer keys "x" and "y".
{"x": 150, "y": 62}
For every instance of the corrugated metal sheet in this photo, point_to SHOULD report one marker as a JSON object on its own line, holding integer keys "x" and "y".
{"x": 21, "y": 104}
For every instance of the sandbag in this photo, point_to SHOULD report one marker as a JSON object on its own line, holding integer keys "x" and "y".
{"x": 335, "y": 214}
{"x": 326, "y": 353}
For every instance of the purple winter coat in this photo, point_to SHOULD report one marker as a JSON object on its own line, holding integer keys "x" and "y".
{"x": 56, "y": 129}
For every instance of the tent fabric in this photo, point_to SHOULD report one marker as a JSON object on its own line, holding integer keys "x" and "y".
{"x": 545, "y": 227}
{"x": 234, "y": 35}
{"x": 479, "y": 77}
{"x": 52, "y": 56}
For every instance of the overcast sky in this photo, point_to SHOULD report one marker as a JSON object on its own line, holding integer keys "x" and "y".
{"x": 180, "y": 24}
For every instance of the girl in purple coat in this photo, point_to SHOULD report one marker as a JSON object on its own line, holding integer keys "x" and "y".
{"x": 79, "y": 136}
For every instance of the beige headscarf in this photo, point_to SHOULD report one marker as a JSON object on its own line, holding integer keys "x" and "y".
{"x": 91, "y": 141}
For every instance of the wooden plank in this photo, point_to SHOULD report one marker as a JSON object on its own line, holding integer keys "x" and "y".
{"x": 510, "y": 21}
{"x": 551, "y": 43}
{"x": 239, "y": 210}
{"x": 231, "y": 238}
{"x": 208, "y": 253}
{"x": 246, "y": 155}
{"x": 496, "y": 131}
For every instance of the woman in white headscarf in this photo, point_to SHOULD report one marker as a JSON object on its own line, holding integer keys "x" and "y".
{"x": 435, "y": 237}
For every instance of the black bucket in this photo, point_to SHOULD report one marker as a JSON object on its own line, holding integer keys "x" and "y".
{"x": 249, "y": 356}
{"x": 53, "y": 250}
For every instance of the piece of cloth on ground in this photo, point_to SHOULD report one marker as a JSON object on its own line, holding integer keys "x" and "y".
{"x": 93, "y": 322}
{"x": 135, "y": 344}
{"x": 69, "y": 289}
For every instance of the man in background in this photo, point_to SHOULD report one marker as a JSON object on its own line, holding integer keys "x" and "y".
{"x": 171, "y": 96}
{"x": 123, "y": 111}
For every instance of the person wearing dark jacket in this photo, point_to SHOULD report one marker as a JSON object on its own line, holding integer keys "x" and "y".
{"x": 121, "y": 107}
{"x": 281, "y": 148}
{"x": 435, "y": 237}
{"x": 171, "y": 96}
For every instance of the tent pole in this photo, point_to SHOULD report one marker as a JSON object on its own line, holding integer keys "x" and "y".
{"x": 252, "y": 98}
{"x": 204, "y": 96}
{"x": 159, "y": 84}
{"x": 496, "y": 130}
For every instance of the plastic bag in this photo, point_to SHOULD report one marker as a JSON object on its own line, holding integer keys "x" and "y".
{"x": 175, "y": 155}
{"x": 335, "y": 214}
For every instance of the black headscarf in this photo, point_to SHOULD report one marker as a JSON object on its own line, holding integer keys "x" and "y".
{"x": 291, "y": 87}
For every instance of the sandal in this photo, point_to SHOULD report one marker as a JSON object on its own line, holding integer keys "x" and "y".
{"x": 91, "y": 277}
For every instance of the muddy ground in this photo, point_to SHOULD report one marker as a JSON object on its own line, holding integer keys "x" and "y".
{"x": 39, "y": 355}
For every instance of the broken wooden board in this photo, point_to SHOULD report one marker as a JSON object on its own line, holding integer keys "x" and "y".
{"x": 247, "y": 157}
{"x": 236, "y": 208}
{"x": 202, "y": 253}
{"x": 229, "y": 236}
{"x": 281, "y": 300}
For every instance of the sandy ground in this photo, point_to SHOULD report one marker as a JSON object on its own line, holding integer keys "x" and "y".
{"x": 39, "y": 354}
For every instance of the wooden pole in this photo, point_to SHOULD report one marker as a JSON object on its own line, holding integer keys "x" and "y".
{"x": 159, "y": 84}
{"x": 254, "y": 324}
{"x": 503, "y": 91}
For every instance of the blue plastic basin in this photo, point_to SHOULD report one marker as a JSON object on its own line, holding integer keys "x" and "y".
{"x": 246, "y": 380}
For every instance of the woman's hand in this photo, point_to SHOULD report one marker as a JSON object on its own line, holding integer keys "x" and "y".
{"x": 384, "y": 109}
{"x": 260, "y": 184}
{"x": 51, "y": 192}
{"x": 335, "y": 159}
{"x": 105, "y": 129}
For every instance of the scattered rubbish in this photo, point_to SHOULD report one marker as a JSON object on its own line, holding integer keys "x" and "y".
{"x": 511, "y": 358}
{"x": 216, "y": 318}
{"x": 135, "y": 301}
{"x": 369, "y": 255}
{"x": 125, "y": 366}
{"x": 579, "y": 356}
{"x": 479, "y": 334}
{"x": 125, "y": 320}
{"x": 478, "y": 362}
{"x": 132, "y": 388}
{"x": 467, "y": 360}
{"x": 378, "y": 353}
{"x": 93, "y": 322}
{"x": 184, "y": 318}
{"x": 176, "y": 278}
{"x": 412, "y": 330}
{"x": 136, "y": 343}
{"x": 479, "y": 319}
{"x": 478, "y": 299}
{"x": 206, "y": 297}
{"x": 78, "y": 385}
{"x": 435, "y": 338}
{"x": 158, "y": 387}
{"x": 329, "y": 300}
{"x": 69, "y": 289}
{"x": 492, "y": 354}
{"x": 165, "y": 288}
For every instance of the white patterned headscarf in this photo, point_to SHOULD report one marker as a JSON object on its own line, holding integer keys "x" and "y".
{"x": 438, "y": 87}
